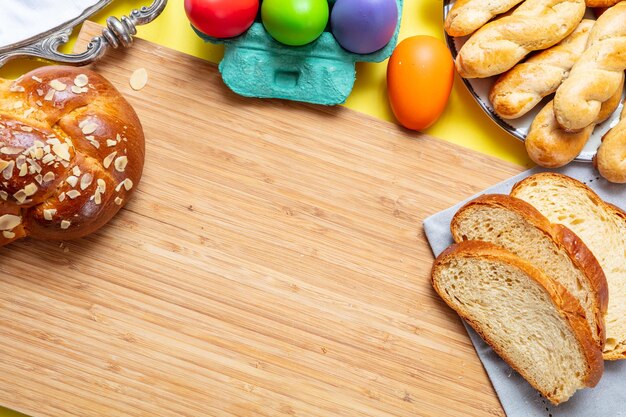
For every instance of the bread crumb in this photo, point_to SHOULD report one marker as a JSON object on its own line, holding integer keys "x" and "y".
{"x": 139, "y": 79}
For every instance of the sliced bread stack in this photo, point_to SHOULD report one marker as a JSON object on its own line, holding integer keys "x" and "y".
{"x": 531, "y": 287}
{"x": 601, "y": 226}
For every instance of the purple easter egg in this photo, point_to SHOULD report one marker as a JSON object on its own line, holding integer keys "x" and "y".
{"x": 364, "y": 26}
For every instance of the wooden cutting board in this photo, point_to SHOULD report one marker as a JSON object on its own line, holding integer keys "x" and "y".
{"x": 272, "y": 263}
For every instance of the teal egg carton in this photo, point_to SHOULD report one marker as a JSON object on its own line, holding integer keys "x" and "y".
{"x": 322, "y": 72}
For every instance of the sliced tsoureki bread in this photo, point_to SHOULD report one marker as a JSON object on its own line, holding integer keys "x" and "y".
{"x": 530, "y": 320}
{"x": 603, "y": 229}
{"x": 552, "y": 248}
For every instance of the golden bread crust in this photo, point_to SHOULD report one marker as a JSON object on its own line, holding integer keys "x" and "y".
{"x": 73, "y": 153}
{"x": 502, "y": 43}
{"x": 563, "y": 238}
{"x": 563, "y": 301}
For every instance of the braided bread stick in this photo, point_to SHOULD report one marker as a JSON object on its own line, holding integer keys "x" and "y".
{"x": 596, "y": 76}
{"x": 534, "y": 25}
{"x": 71, "y": 152}
{"x": 611, "y": 157}
{"x": 550, "y": 146}
{"x": 517, "y": 91}
{"x": 467, "y": 16}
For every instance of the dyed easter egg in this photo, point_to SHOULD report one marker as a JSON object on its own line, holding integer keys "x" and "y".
{"x": 222, "y": 18}
{"x": 364, "y": 26}
{"x": 420, "y": 75}
{"x": 295, "y": 22}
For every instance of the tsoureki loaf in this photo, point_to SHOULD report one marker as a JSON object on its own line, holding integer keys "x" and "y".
{"x": 71, "y": 154}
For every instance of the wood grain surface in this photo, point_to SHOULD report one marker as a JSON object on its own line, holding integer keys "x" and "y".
{"x": 272, "y": 263}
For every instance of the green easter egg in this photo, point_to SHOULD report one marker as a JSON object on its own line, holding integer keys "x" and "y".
{"x": 295, "y": 22}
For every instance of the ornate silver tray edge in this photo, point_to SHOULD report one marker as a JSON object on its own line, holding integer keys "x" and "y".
{"x": 118, "y": 32}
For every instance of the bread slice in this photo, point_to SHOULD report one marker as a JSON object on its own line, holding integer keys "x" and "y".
{"x": 603, "y": 229}
{"x": 531, "y": 321}
{"x": 552, "y": 248}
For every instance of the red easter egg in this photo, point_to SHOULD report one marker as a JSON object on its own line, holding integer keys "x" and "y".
{"x": 222, "y": 18}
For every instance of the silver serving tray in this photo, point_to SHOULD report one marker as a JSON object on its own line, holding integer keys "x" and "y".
{"x": 479, "y": 88}
{"x": 44, "y": 45}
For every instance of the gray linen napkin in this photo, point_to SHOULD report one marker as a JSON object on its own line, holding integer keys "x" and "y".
{"x": 518, "y": 398}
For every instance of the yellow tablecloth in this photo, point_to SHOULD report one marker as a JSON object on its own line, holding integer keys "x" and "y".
{"x": 463, "y": 122}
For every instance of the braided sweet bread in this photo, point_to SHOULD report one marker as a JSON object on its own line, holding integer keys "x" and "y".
{"x": 598, "y": 73}
{"x": 502, "y": 43}
{"x": 71, "y": 153}
{"x": 551, "y": 146}
{"x": 467, "y": 16}
{"x": 519, "y": 90}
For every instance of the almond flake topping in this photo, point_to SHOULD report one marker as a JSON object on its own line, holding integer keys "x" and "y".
{"x": 118, "y": 201}
{"x": 49, "y": 176}
{"x": 7, "y": 173}
{"x": 73, "y": 194}
{"x": 111, "y": 143}
{"x": 4, "y": 195}
{"x": 48, "y": 213}
{"x": 62, "y": 151}
{"x": 3, "y": 164}
{"x": 10, "y": 150}
{"x": 107, "y": 161}
{"x": 47, "y": 159}
{"x": 20, "y": 196}
{"x": 39, "y": 80}
{"x": 102, "y": 186}
{"x": 61, "y": 197}
{"x": 58, "y": 85}
{"x": 18, "y": 104}
{"x": 39, "y": 92}
{"x": 88, "y": 128}
{"x": 139, "y": 79}
{"x": 81, "y": 80}
{"x": 17, "y": 88}
{"x": 76, "y": 171}
{"x": 7, "y": 234}
{"x": 65, "y": 224}
{"x": 120, "y": 163}
{"x": 85, "y": 181}
{"x": 26, "y": 128}
{"x": 76, "y": 90}
{"x": 30, "y": 189}
{"x": 9, "y": 221}
{"x": 49, "y": 95}
{"x": 27, "y": 114}
{"x": 23, "y": 170}
{"x": 72, "y": 180}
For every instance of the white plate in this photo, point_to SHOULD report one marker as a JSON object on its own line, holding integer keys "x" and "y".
{"x": 519, "y": 127}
